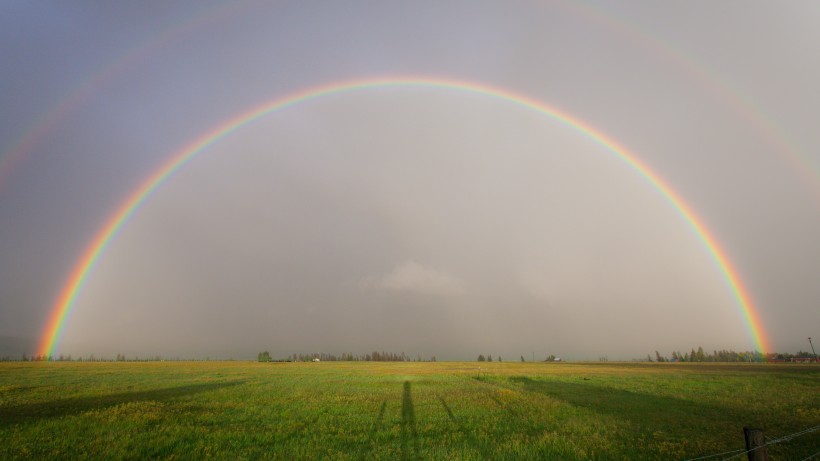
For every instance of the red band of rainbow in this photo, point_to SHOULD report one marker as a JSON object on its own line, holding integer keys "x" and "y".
{"x": 65, "y": 302}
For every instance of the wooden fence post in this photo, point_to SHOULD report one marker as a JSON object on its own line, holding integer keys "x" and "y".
{"x": 756, "y": 442}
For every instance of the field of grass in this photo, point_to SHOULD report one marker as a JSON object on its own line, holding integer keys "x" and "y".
{"x": 248, "y": 410}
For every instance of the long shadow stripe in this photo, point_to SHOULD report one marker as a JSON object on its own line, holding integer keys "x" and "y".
{"x": 408, "y": 425}
{"x": 66, "y": 407}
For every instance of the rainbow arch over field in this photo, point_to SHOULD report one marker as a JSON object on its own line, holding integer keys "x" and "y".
{"x": 81, "y": 271}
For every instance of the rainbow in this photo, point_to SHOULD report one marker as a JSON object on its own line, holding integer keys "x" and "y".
{"x": 79, "y": 275}
{"x": 44, "y": 125}
{"x": 806, "y": 168}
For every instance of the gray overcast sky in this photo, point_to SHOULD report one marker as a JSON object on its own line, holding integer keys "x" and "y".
{"x": 411, "y": 219}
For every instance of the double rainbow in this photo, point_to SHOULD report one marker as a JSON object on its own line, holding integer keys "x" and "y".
{"x": 68, "y": 295}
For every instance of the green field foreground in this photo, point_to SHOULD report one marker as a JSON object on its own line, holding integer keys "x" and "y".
{"x": 365, "y": 410}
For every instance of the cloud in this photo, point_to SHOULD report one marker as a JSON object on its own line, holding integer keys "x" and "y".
{"x": 411, "y": 276}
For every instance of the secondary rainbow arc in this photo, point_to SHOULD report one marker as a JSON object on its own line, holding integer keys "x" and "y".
{"x": 81, "y": 271}
{"x": 806, "y": 168}
{"x": 47, "y": 122}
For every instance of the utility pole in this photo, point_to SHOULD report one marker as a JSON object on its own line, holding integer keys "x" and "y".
{"x": 812, "y": 349}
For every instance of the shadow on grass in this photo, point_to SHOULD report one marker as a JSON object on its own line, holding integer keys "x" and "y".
{"x": 379, "y": 419}
{"x": 409, "y": 437}
{"x": 409, "y": 434}
{"x": 16, "y": 414}
{"x": 448, "y": 410}
{"x": 370, "y": 443}
{"x": 645, "y": 410}
{"x": 470, "y": 437}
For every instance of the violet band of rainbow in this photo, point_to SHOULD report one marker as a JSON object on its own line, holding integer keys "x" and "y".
{"x": 64, "y": 304}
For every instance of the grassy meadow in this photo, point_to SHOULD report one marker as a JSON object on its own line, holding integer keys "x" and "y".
{"x": 360, "y": 411}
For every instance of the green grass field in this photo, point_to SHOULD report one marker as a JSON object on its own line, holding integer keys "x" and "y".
{"x": 248, "y": 410}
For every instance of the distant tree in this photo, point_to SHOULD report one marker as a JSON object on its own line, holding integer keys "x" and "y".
{"x": 658, "y": 357}
{"x": 550, "y": 358}
{"x": 700, "y": 355}
{"x": 499, "y": 359}
{"x": 481, "y": 358}
{"x": 264, "y": 356}
{"x": 489, "y": 358}
{"x": 522, "y": 359}
{"x": 648, "y": 358}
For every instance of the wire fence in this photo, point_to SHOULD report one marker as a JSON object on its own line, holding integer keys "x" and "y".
{"x": 715, "y": 455}
{"x": 740, "y": 452}
{"x": 811, "y": 456}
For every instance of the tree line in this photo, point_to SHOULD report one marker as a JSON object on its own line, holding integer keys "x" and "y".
{"x": 728, "y": 356}
{"x": 489, "y": 358}
{"x": 95, "y": 358}
{"x": 374, "y": 356}
{"x": 694, "y": 355}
